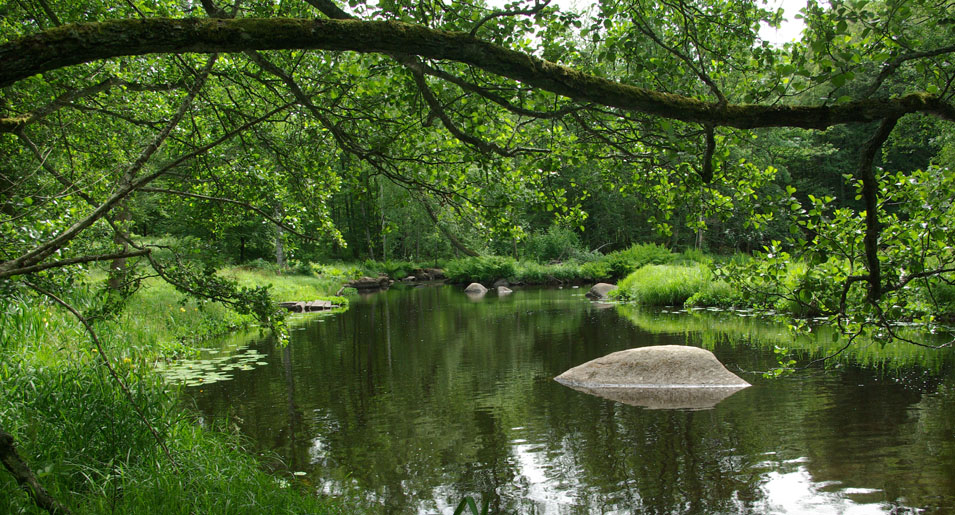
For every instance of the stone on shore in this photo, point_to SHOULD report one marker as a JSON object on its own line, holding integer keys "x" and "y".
{"x": 382, "y": 282}
{"x": 600, "y": 291}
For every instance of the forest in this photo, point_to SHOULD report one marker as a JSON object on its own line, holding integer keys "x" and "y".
{"x": 219, "y": 156}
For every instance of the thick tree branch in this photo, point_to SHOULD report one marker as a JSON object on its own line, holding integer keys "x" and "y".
{"x": 78, "y": 43}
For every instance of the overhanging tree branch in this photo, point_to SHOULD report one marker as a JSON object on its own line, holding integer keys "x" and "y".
{"x": 84, "y": 42}
{"x": 39, "y": 253}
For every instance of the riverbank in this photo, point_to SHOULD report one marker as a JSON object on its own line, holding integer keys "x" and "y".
{"x": 86, "y": 442}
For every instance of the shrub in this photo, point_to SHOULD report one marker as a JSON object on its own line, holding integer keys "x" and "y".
{"x": 595, "y": 271}
{"x": 480, "y": 269}
{"x": 557, "y": 244}
{"x": 716, "y": 294}
{"x": 624, "y": 262}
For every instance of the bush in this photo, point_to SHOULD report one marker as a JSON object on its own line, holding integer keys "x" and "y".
{"x": 664, "y": 285}
{"x": 530, "y": 272}
{"x": 595, "y": 271}
{"x": 719, "y": 294}
{"x": 557, "y": 244}
{"x": 480, "y": 269}
{"x": 623, "y": 262}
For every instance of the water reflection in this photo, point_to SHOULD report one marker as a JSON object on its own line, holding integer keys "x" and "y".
{"x": 414, "y": 398}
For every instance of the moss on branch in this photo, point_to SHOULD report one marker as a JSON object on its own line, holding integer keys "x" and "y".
{"x": 79, "y": 43}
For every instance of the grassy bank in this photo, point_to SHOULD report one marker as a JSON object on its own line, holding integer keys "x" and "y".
{"x": 590, "y": 267}
{"x": 89, "y": 447}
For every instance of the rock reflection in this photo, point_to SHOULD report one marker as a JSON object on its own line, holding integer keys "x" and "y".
{"x": 664, "y": 398}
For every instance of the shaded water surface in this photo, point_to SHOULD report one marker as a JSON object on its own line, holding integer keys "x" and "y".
{"x": 415, "y": 398}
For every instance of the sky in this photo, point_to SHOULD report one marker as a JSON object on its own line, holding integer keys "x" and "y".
{"x": 791, "y": 28}
{"x": 789, "y": 31}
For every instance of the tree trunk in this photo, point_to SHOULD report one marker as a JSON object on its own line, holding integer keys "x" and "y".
{"x": 279, "y": 235}
{"x": 24, "y": 476}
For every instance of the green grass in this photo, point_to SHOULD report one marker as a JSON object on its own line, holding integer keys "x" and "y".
{"x": 88, "y": 446}
{"x": 290, "y": 287}
{"x": 664, "y": 285}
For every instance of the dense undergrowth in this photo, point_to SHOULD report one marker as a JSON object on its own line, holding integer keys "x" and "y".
{"x": 81, "y": 435}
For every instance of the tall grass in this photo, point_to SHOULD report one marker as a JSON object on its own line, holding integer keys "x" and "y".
{"x": 80, "y": 434}
{"x": 664, "y": 285}
{"x": 288, "y": 287}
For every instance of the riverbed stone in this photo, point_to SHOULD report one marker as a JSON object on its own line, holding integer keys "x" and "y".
{"x": 504, "y": 290}
{"x": 435, "y": 273}
{"x": 662, "y": 377}
{"x": 475, "y": 289}
{"x": 600, "y": 291}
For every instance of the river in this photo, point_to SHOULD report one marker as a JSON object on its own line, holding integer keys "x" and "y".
{"x": 417, "y": 397}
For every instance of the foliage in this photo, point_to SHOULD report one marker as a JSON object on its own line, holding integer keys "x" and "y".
{"x": 823, "y": 274}
{"x": 717, "y": 293}
{"x": 557, "y": 244}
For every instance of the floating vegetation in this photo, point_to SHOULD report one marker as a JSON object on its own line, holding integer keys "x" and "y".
{"x": 213, "y": 365}
{"x": 221, "y": 358}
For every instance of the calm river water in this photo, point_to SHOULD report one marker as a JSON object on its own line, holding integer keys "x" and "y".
{"x": 414, "y": 398}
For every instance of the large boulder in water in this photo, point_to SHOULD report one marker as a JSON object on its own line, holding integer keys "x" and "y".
{"x": 600, "y": 291}
{"x": 665, "y": 376}
{"x": 475, "y": 289}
